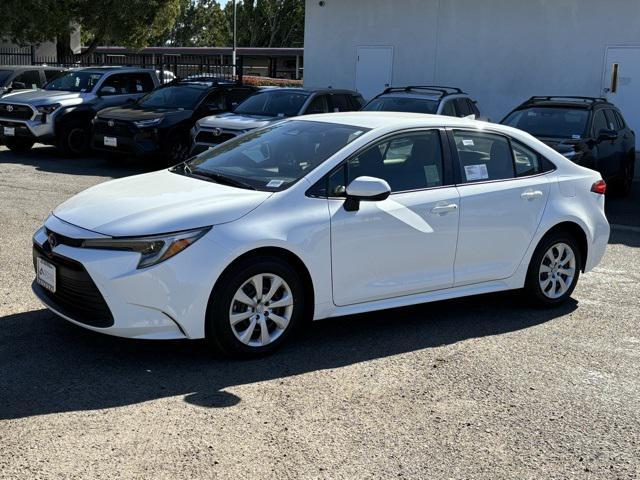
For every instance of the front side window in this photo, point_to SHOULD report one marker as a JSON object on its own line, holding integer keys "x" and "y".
{"x": 550, "y": 122}
{"x": 275, "y": 157}
{"x": 483, "y": 156}
{"x": 273, "y": 104}
{"x": 140, "y": 83}
{"x": 462, "y": 107}
{"x": 74, "y": 82}
{"x": 402, "y": 104}
{"x": 407, "y": 162}
{"x": 30, "y": 79}
{"x": 116, "y": 82}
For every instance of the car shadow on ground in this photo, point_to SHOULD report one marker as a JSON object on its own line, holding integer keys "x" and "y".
{"x": 49, "y": 159}
{"x": 48, "y": 365}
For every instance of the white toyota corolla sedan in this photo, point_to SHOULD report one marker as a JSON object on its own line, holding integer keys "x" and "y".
{"x": 317, "y": 217}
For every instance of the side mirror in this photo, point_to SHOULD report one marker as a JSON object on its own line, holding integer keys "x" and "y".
{"x": 606, "y": 134}
{"x": 365, "y": 189}
{"x": 105, "y": 91}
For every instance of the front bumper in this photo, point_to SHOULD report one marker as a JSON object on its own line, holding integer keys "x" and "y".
{"x": 203, "y": 138}
{"x": 166, "y": 301}
{"x": 129, "y": 138}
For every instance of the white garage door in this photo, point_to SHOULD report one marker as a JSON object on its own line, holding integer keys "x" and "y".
{"x": 622, "y": 82}
{"x": 373, "y": 70}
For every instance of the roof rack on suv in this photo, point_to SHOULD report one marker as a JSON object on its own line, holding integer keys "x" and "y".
{"x": 566, "y": 97}
{"x": 442, "y": 90}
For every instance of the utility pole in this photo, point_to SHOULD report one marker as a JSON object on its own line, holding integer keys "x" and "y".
{"x": 233, "y": 55}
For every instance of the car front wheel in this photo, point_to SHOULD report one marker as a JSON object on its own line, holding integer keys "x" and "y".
{"x": 74, "y": 138}
{"x": 255, "y": 307}
{"x": 554, "y": 270}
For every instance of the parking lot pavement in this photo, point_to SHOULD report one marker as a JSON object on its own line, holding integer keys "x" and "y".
{"x": 482, "y": 387}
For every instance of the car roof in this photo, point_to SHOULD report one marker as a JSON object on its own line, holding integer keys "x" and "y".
{"x": 113, "y": 69}
{"x": 309, "y": 91}
{"x": 564, "y": 102}
{"x": 430, "y": 92}
{"x": 30, "y": 67}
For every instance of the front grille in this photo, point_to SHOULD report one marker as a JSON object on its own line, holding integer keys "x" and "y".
{"x": 15, "y": 112}
{"x": 208, "y": 137}
{"x": 118, "y": 128}
{"x": 76, "y": 296}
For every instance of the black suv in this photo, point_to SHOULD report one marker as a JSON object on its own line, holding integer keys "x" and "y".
{"x": 160, "y": 122}
{"x": 589, "y": 131}
{"x": 25, "y": 77}
{"x": 434, "y": 99}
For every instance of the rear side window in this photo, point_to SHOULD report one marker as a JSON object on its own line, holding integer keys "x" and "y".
{"x": 613, "y": 120}
{"x": 357, "y": 101}
{"x": 318, "y": 105}
{"x": 340, "y": 103}
{"x": 619, "y": 119}
{"x": 462, "y": 106}
{"x": 526, "y": 161}
{"x": 448, "y": 109}
{"x": 483, "y": 156}
{"x": 140, "y": 83}
{"x": 599, "y": 122}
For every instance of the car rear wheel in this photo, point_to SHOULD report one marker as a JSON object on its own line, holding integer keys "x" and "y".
{"x": 18, "y": 145}
{"x": 554, "y": 270}
{"x": 255, "y": 307}
{"x": 74, "y": 138}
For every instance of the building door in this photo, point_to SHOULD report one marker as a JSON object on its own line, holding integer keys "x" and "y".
{"x": 373, "y": 70}
{"x": 621, "y": 82}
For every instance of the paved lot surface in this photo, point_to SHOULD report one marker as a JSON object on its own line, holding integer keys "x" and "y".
{"x": 476, "y": 388}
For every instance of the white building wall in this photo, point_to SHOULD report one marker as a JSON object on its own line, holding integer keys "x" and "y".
{"x": 500, "y": 51}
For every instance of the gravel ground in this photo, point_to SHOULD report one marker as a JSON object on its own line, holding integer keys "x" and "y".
{"x": 475, "y": 388}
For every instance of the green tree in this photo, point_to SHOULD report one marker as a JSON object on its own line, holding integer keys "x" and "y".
{"x": 132, "y": 23}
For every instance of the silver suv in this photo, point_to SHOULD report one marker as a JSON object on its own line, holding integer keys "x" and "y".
{"x": 267, "y": 106}
{"x": 433, "y": 99}
{"x": 61, "y": 113}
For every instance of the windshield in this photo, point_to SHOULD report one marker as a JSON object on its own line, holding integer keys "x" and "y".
{"x": 275, "y": 157}
{"x": 273, "y": 104}
{"x": 184, "y": 97}
{"x": 74, "y": 82}
{"x": 4, "y": 75}
{"x": 550, "y": 122}
{"x": 402, "y": 104}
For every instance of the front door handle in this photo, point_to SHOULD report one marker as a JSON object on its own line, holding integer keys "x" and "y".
{"x": 531, "y": 194}
{"x": 444, "y": 208}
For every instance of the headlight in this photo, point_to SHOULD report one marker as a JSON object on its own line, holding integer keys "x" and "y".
{"x": 148, "y": 123}
{"x": 47, "y": 109}
{"x": 153, "y": 249}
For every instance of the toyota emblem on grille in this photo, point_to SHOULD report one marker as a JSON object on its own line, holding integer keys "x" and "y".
{"x": 110, "y": 123}
{"x": 53, "y": 241}
{"x": 9, "y": 108}
{"x": 217, "y": 132}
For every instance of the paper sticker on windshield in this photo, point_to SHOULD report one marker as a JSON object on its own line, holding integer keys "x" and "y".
{"x": 275, "y": 183}
{"x": 476, "y": 172}
{"x": 576, "y": 137}
{"x": 467, "y": 142}
{"x": 281, "y": 115}
{"x": 138, "y": 88}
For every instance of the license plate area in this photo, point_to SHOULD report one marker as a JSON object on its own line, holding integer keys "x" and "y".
{"x": 9, "y": 131}
{"x": 46, "y": 274}
{"x": 110, "y": 141}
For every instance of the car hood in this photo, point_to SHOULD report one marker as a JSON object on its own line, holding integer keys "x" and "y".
{"x": 41, "y": 97}
{"x": 158, "y": 202}
{"x": 134, "y": 113}
{"x": 232, "y": 121}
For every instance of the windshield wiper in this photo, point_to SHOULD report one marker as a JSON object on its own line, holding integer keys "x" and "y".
{"x": 219, "y": 178}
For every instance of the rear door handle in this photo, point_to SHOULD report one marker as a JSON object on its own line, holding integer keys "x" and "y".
{"x": 531, "y": 194}
{"x": 444, "y": 208}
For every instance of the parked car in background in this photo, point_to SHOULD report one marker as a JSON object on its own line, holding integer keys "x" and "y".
{"x": 268, "y": 106}
{"x": 437, "y": 100}
{"x": 159, "y": 123}
{"x": 589, "y": 131}
{"x": 321, "y": 216}
{"x": 23, "y": 77}
{"x": 60, "y": 114}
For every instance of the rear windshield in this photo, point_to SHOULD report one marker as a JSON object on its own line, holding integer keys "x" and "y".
{"x": 550, "y": 121}
{"x": 74, "y": 82}
{"x": 273, "y": 104}
{"x": 402, "y": 104}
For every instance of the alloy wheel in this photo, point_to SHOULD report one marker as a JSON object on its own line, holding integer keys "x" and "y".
{"x": 261, "y": 310}
{"x": 557, "y": 270}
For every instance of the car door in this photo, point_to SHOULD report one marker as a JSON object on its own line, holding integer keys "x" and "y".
{"x": 402, "y": 245}
{"x": 503, "y": 194}
{"x": 318, "y": 104}
{"x": 607, "y": 158}
{"x": 623, "y": 142}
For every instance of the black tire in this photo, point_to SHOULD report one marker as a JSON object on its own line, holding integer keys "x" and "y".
{"x": 74, "y": 138}
{"x": 622, "y": 186}
{"x": 18, "y": 145}
{"x": 177, "y": 149}
{"x": 220, "y": 333}
{"x": 533, "y": 288}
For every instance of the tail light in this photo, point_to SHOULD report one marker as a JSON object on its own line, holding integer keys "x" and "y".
{"x": 599, "y": 187}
